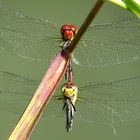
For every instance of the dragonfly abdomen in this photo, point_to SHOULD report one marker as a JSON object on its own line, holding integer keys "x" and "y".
{"x": 70, "y": 110}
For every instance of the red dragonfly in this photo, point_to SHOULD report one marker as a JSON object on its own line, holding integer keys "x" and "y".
{"x": 38, "y": 40}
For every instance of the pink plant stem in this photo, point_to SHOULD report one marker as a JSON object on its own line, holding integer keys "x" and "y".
{"x": 41, "y": 97}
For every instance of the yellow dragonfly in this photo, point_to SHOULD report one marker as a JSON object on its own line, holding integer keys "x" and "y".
{"x": 99, "y": 102}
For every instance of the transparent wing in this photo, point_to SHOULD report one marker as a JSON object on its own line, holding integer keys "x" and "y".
{"x": 110, "y": 102}
{"x": 109, "y": 44}
{"x": 17, "y": 91}
{"x": 28, "y": 37}
{"x": 37, "y": 39}
{"x": 106, "y": 102}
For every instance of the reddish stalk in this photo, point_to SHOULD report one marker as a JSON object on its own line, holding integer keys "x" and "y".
{"x": 41, "y": 97}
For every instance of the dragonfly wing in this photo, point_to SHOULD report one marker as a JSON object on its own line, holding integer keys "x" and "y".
{"x": 15, "y": 83}
{"x": 109, "y": 44}
{"x": 110, "y": 102}
{"x": 14, "y": 102}
{"x": 28, "y": 37}
{"x": 17, "y": 91}
{"x": 106, "y": 102}
{"x": 54, "y": 107}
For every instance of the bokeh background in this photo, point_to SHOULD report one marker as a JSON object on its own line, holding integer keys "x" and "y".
{"x": 61, "y": 12}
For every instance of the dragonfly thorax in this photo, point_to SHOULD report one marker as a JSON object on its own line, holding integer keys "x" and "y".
{"x": 68, "y": 32}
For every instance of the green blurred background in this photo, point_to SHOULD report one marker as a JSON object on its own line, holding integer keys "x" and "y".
{"x": 60, "y": 12}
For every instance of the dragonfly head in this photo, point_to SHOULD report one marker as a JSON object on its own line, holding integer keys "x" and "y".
{"x": 69, "y": 89}
{"x": 68, "y": 31}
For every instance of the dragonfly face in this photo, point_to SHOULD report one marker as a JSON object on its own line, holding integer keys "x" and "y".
{"x": 69, "y": 90}
{"x": 68, "y": 32}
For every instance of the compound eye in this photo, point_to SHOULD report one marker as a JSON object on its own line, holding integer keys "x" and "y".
{"x": 73, "y": 28}
{"x": 64, "y": 28}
